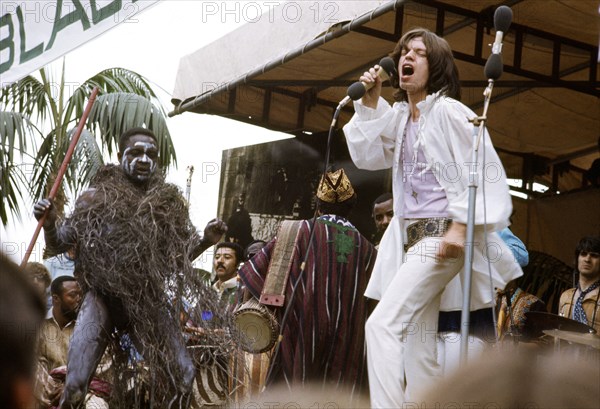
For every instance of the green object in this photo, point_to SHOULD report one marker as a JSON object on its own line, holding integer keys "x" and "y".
{"x": 344, "y": 244}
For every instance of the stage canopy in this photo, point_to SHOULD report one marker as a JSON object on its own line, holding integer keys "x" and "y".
{"x": 287, "y": 70}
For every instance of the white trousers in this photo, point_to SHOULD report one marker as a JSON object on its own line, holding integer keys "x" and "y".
{"x": 449, "y": 350}
{"x": 402, "y": 331}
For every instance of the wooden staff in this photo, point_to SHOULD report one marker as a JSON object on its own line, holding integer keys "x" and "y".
{"x": 61, "y": 172}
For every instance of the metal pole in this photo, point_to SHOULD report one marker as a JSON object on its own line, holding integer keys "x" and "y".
{"x": 478, "y": 129}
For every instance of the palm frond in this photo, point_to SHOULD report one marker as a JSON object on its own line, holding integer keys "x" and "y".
{"x": 27, "y": 96}
{"x": 47, "y": 162}
{"x": 86, "y": 161}
{"x": 123, "y": 80}
{"x": 115, "y": 113}
{"x": 11, "y": 179}
{"x": 126, "y": 100}
{"x": 15, "y": 130}
{"x": 111, "y": 80}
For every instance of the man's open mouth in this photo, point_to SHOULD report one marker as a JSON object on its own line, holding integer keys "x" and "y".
{"x": 407, "y": 70}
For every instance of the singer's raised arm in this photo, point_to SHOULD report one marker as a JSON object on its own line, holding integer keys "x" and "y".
{"x": 371, "y": 135}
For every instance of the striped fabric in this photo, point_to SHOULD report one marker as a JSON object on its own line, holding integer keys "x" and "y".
{"x": 323, "y": 338}
{"x": 210, "y": 388}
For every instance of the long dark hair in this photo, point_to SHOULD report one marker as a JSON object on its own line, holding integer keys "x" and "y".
{"x": 588, "y": 244}
{"x": 443, "y": 73}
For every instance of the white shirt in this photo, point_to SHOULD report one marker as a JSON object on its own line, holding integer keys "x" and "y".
{"x": 374, "y": 139}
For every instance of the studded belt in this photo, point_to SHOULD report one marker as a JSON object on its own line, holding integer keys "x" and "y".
{"x": 431, "y": 227}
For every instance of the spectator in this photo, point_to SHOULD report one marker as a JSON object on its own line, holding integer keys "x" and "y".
{"x": 239, "y": 224}
{"x": 517, "y": 381}
{"x": 515, "y": 245}
{"x": 55, "y": 338}
{"x": 21, "y": 312}
{"x": 512, "y": 305}
{"x": 62, "y": 264}
{"x": 40, "y": 277}
{"x": 56, "y": 331}
{"x": 228, "y": 257}
{"x": 383, "y": 212}
{"x": 254, "y": 247}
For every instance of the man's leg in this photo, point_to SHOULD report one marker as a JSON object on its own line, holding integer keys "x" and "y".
{"x": 449, "y": 350}
{"x": 88, "y": 343}
{"x": 407, "y": 309}
{"x": 421, "y": 353}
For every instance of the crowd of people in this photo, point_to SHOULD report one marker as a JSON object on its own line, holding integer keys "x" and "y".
{"x": 331, "y": 310}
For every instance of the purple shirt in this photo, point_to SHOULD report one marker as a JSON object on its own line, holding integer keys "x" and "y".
{"x": 423, "y": 195}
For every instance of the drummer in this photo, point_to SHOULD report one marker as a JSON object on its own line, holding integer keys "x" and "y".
{"x": 581, "y": 303}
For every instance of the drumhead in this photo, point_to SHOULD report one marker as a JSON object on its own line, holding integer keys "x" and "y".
{"x": 259, "y": 330}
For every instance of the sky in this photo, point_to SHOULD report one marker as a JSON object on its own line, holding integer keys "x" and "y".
{"x": 152, "y": 45}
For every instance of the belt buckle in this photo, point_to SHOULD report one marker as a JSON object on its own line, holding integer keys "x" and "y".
{"x": 431, "y": 227}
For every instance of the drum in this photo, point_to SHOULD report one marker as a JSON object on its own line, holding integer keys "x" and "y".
{"x": 257, "y": 325}
{"x": 248, "y": 375}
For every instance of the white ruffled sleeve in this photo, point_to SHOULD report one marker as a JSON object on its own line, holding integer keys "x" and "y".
{"x": 371, "y": 135}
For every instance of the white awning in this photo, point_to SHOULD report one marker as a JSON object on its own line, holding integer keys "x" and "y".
{"x": 289, "y": 75}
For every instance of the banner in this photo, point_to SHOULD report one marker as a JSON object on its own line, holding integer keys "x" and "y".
{"x": 35, "y": 33}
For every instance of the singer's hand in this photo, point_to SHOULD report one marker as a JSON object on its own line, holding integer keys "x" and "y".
{"x": 372, "y": 95}
{"x": 453, "y": 242}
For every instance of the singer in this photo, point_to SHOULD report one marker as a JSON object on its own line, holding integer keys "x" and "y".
{"x": 426, "y": 139}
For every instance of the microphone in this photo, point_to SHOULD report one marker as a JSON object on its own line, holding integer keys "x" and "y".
{"x": 502, "y": 19}
{"x": 493, "y": 67}
{"x": 387, "y": 70}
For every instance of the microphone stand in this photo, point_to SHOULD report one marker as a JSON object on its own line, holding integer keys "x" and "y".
{"x": 493, "y": 70}
{"x": 478, "y": 130}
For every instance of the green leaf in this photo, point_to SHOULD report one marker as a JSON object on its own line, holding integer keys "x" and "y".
{"x": 15, "y": 130}
{"x": 125, "y": 100}
{"x": 115, "y": 113}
